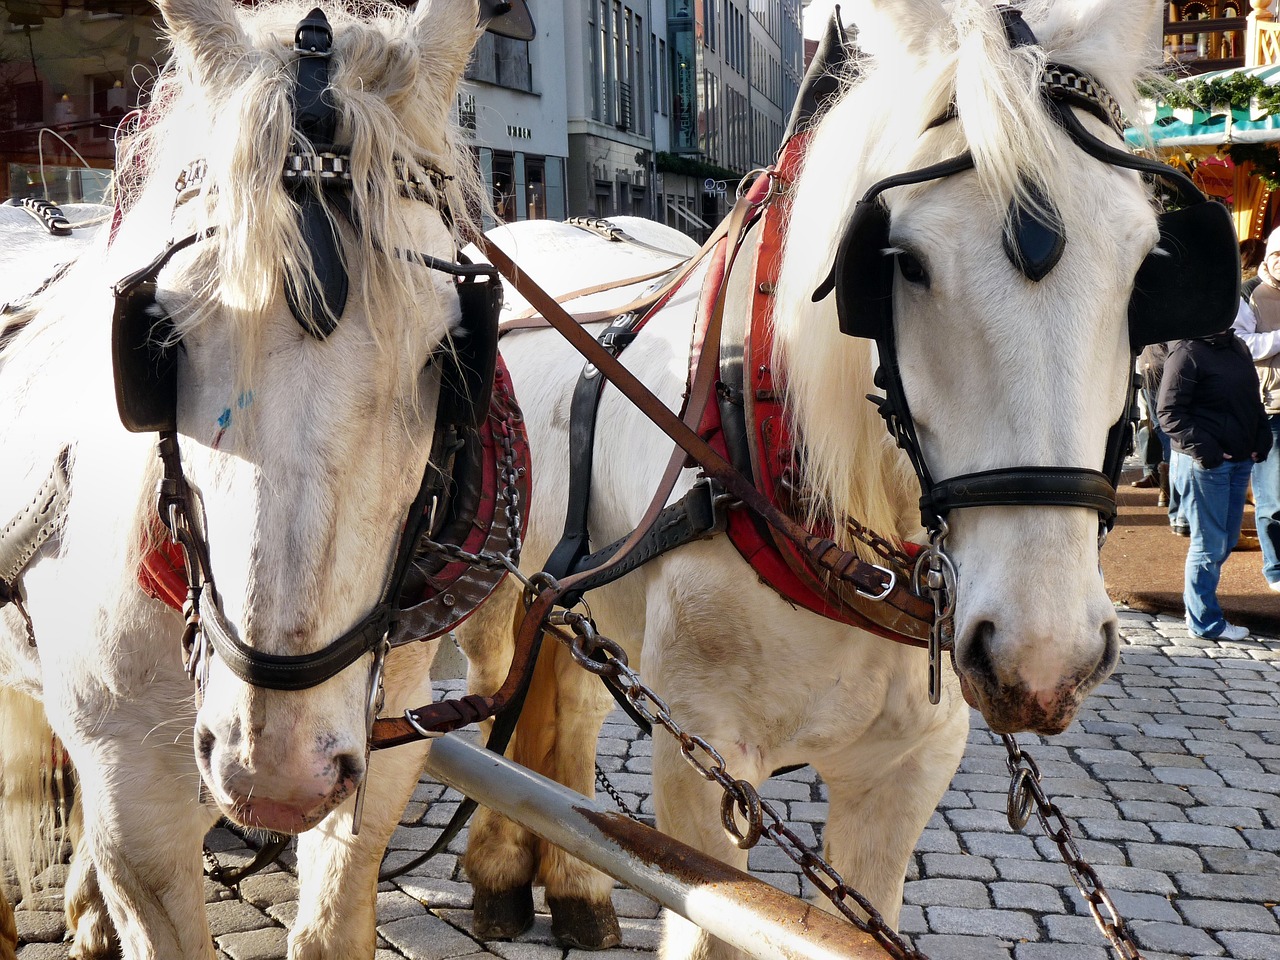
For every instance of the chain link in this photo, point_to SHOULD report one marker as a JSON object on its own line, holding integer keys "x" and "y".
{"x": 884, "y": 548}
{"x": 604, "y": 656}
{"x": 1027, "y": 795}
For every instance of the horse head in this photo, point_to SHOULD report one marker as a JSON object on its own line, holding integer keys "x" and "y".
{"x": 319, "y": 176}
{"x": 988, "y": 241}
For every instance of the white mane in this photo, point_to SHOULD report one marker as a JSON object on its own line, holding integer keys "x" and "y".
{"x": 393, "y": 85}
{"x": 880, "y": 126}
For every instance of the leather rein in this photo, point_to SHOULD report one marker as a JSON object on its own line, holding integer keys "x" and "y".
{"x": 893, "y": 590}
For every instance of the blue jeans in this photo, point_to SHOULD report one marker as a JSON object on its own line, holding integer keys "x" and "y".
{"x": 1213, "y": 504}
{"x": 1179, "y": 467}
{"x": 1266, "y": 504}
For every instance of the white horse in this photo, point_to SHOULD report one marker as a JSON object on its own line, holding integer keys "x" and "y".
{"x": 1000, "y": 371}
{"x": 303, "y": 453}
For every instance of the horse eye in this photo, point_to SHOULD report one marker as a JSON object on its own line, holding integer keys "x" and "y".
{"x": 912, "y": 269}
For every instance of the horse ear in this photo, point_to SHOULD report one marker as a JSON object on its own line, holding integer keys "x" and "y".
{"x": 891, "y": 29}
{"x": 206, "y": 34}
{"x": 446, "y": 33}
{"x": 1105, "y": 37}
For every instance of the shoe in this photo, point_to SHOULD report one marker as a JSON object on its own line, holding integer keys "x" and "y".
{"x": 1146, "y": 480}
{"x": 1275, "y": 586}
{"x": 1163, "y": 499}
{"x": 1181, "y": 529}
{"x": 1229, "y": 632}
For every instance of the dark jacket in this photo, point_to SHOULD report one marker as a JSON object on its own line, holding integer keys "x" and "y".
{"x": 1209, "y": 403}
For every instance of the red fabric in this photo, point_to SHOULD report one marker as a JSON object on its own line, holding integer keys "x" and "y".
{"x": 771, "y": 438}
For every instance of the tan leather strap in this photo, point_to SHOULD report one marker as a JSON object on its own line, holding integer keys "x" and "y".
{"x": 535, "y": 316}
{"x": 823, "y": 552}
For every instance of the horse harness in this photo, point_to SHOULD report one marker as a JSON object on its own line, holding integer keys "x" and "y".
{"x": 470, "y": 496}
{"x": 1186, "y": 287}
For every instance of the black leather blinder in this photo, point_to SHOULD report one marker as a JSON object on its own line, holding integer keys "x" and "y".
{"x": 1189, "y": 285}
{"x": 466, "y": 381}
{"x": 146, "y": 376}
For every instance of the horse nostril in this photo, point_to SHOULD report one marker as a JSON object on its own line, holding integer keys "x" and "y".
{"x": 204, "y": 743}
{"x": 349, "y": 766}
{"x": 974, "y": 657}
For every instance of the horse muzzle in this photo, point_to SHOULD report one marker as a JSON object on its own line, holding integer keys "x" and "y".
{"x": 291, "y": 794}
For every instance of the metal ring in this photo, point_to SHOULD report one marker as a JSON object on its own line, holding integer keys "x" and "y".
{"x": 1019, "y": 805}
{"x": 745, "y": 798}
{"x": 748, "y": 181}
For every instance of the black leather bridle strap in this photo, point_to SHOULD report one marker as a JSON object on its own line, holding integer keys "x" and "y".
{"x": 1024, "y": 486}
{"x": 277, "y": 672}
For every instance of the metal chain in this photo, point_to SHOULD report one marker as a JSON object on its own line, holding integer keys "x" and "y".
{"x": 604, "y": 657}
{"x": 605, "y": 784}
{"x": 884, "y": 548}
{"x": 1024, "y": 791}
{"x": 509, "y": 474}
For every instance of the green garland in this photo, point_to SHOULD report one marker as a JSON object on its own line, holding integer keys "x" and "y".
{"x": 1236, "y": 91}
{"x": 691, "y": 167}
{"x": 1264, "y": 157}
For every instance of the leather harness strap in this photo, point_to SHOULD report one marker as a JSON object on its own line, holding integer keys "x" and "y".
{"x": 827, "y": 556}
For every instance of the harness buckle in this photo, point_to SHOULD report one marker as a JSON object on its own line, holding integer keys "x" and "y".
{"x": 891, "y": 583}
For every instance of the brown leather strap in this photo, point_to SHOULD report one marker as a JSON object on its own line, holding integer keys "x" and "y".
{"x": 592, "y": 290}
{"x": 869, "y": 579}
{"x": 535, "y": 317}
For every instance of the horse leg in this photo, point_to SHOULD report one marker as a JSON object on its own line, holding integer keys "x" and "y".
{"x": 135, "y": 769}
{"x": 688, "y": 808}
{"x": 338, "y": 872}
{"x": 8, "y": 930}
{"x": 89, "y": 926}
{"x": 579, "y": 896}
{"x": 882, "y": 793}
{"x": 501, "y": 857}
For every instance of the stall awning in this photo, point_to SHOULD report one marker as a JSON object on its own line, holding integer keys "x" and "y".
{"x": 1216, "y": 125}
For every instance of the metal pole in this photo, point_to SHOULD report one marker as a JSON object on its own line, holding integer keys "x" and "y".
{"x": 744, "y": 912}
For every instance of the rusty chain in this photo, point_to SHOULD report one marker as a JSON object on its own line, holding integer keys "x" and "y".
{"x": 605, "y": 657}
{"x": 1026, "y": 795}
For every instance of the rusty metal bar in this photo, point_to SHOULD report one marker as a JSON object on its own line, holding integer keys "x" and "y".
{"x": 746, "y": 913}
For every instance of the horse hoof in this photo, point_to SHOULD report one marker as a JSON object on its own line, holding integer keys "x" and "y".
{"x": 584, "y": 924}
{"x": 503, "y": 915}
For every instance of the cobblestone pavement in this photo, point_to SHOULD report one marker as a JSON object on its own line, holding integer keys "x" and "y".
{"x": 1171, "y": 778}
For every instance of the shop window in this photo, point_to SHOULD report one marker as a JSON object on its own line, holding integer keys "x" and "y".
{"x": 535, "y": 189}
{"x": 504, "y": 187}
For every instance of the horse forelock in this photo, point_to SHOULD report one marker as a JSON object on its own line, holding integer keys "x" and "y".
{"x": 880, "y": 125}
{"x": 394, "y": 105}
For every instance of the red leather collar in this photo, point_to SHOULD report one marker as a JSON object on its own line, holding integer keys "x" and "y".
{"x": 769, "y": 435}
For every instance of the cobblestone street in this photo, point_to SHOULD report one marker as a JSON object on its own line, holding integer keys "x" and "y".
{"x": 1170, "y": 777}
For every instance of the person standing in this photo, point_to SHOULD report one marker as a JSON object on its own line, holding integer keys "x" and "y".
{"x": 1211, "y": 410}
{"x": 1259, "y": 328}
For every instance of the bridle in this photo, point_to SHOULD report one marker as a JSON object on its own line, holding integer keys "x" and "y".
{"x": 863, "y": 276}
{"x": 146, "y": 385}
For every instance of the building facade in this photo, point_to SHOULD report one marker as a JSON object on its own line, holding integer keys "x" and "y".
{"x": 653, "y": 108}
{"x": 513, "y": 102}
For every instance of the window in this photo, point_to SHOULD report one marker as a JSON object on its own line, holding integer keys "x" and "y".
{"x": 504, "y": 186}
{"x": 535, "y": 188}
{"x": 502, "y": 61}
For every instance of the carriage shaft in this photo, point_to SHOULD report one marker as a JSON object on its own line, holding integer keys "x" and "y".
{"x": 745, "y": 912}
